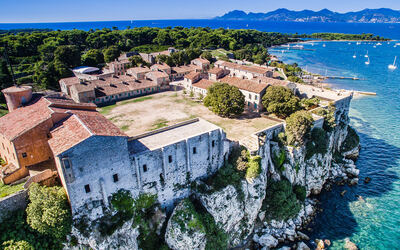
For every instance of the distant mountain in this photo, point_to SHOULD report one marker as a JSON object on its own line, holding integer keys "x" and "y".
{"x": 383, "y": 15}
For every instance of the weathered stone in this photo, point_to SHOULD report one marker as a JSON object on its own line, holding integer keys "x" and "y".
{"x": 266, "y": 240}
{"x": 302, "y": 246}
{"x": 303, "y": 236}
{"x": 350, "y": 245}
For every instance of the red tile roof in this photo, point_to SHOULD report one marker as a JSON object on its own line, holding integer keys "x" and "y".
{"x": 157, "y": 74}
{"x": 203, "y": 84}
{"x": 160, "y": 66}
{"x": 252, "y": 69}
{"x": 202, "y": 60}
{"x": 247, "y": 85}
{"x": 185, "y": 68}
{"x": 70, "y": 80}
{"x": 216, "y": 70}
{"x": 136, "y": 70}
{"x": 270, "y": 81}
{"x": 192, "y": 75}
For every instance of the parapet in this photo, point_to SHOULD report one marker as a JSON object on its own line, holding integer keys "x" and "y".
{"x": 17, "y": 96}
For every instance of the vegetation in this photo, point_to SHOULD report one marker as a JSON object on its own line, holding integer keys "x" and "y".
{"x": 252, "y": 52}
{"x": 329, "y": 117}
{"x": 300, "y": 192}
{"x": 225, "y": 100}
{"x": 6, "y": 190}
{"x": 292, "y": 71}
{"x": 317, "y": 143}
{"x": 311, "y": 103}
{"x": 281, "y": 101}
{"x": 279, "y": 159}
{"x": 48, "y": 211}
{"x": 282, "y": 203}
{"x": 297, "y": 126}
{"x": 351, "y": 141}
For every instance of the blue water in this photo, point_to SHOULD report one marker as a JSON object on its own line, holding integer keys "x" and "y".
{"x": 374, "y": 222}
{"x": 386, "y": 30}
{"x": 371, "y": 223}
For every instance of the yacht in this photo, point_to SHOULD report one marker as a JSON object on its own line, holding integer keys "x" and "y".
{"x": 393, "y": 66}
{"x": 366, "y": 55}
{"x": 367, "y": 62}
{"x": 354, "y": 56}
{"x": 379, "y": 44}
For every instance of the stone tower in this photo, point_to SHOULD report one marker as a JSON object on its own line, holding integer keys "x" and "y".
{"x": 17, "y": 96}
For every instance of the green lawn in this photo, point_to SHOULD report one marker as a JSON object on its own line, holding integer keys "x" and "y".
{"x": 107, "y": 109}
{"x": 6, "y": 190}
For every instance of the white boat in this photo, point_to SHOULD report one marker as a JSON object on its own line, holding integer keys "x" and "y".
{"x": 393, "y": 66}
{"x": 297, "y": 46}
{"x": 366, "y": 55}
{"x": 324, "y": 45}
{"x": 358, "y": 43}
{"x": 397, "y": 44}
{"x": 367, "y": 62}
{"x": 379, "y": 44}
{"x": 354, "y": 56}
{"x": 374, "y": 46}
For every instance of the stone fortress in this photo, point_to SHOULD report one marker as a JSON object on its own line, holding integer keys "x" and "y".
{"x": 95, "y": 159}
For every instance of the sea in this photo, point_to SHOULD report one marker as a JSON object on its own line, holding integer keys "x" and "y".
{"x": 369, "y": 213}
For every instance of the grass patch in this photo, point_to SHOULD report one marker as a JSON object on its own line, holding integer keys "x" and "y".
{"x": 140, "y": 99}
{"x": 160, "y": 123}
{"x": 125, "y": 127}
{"x": 6, "y": 190}
{"x": 107, "y": 109}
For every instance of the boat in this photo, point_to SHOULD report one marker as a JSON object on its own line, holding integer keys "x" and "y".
{"x": 354, "y": 56}
{"x": 298, "y": 46}
{"x": 393, "y": 66}
{"x": 358, "y": 43}
{"x": 367, "y": 62}
{"x": 374, "y": 46}
{"x": 379, "y": 44}
{"x": 324, "y": 45}
{"x": 366, "y": 55}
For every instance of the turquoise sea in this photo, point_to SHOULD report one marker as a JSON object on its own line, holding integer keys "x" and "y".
{"x": 373, "y": 221}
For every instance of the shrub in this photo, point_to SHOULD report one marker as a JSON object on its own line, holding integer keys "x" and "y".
{"x": 254, "y": 168}
{"x": 317, "y": 143}
{"x": 280, "y": 202}
{"x": 281, "y": 101}
{"x": 297, "y": 126}
{"x": 300, "y": 192}
{"x": 225, "y": 100}
{"x": 122, "y": 201}
{"x": 309, "y": 103}
{"x": 329, "y": 117}
{"x": 17, "y": 245}
{"x": 351, "y": 141}
{"x": 279, "y": 159}
{"x": 48, "y": 211}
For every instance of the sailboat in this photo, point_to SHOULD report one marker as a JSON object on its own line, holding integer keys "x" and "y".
{"x": 393, "y": 66}
{"x": 354, "y": 56}
{"x": 367, "y": 62}
{"x": 366, "y": 54}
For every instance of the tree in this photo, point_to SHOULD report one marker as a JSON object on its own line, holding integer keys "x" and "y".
{"x": 297, "y": 126}
{"x": 111, "y": 53}
{"x": 137, "y": 61}
{"x": 281, "y": 101}
{"x": 225, "y": 100}
{"x": 48, "y": 211}
{"x": 207, "y": 55}
{"x": 68, "y": 55}
{"x": 93, "y": 57}
{"x": 5, "y": 76}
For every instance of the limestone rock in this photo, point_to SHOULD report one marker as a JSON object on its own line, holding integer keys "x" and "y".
{"x": 266, "y": 240}
{"x": 350, "y": 245}
{"x": 302, "y": 246}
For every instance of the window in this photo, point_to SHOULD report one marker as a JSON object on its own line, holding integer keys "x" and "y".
{"x": 24, "y": 155}
{"x": 194, "y": 150}
{"x": 144, "y": 168}
{"x": 87, "y": 188}
{"x": 213, "y": 143}
{"x": 255, "y": 97}
{"x": 169, "y": 158}
{"x": 115, "y": 177}
{"x": 66, "y": 163}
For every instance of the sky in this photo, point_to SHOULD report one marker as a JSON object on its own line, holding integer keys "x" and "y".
{"x": 31, "y": 11}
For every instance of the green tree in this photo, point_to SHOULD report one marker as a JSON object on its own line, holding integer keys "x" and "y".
{"x": 111, "y": 53}
{"x": 137, "y": 61}
{"x": 297, "y": 126}
{"x": 225, "y": 100}
{"x": 48, "y": 211}
{"x": 281, "y": 101}
{"x": 92, "y": 58}
{"x": 68, "y": 55}
{"x": 207, "y": 55}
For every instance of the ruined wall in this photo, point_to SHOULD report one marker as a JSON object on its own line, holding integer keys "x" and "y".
{"x": 13, "y": 203}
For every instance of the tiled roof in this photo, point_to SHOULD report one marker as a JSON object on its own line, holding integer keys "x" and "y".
{"x": 136, "y": 70}
{"x": 82, "y": 87}
{"x": 251, "y": 69}
{"x": 157, "y": 74}
{"x": 270, "y": 81}
{"x": 70, "y": 80}
{"x": 118, "y": 88}
{"x": 203, "y": 84}
{"x": 160, "y": 66}
{"x": 244, "y": 84}
{"x": 25, "y": 118}
{"x": 192, "y": 75}
{"x": 202, "y": 60}
{"x": 185, "y": 68}
{"x": 78, "y": 127}
{"x": 216, "y": 70}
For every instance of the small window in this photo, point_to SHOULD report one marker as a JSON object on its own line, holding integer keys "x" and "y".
{"x": 213, "y": 143}
{"x": 24, "y": 155}
{"x": 87, "y": 188}
{"x": 255, "y": 97}
{"x": 169, "y": 158}
{"x": 194, "y": 150}
{"x": 144, "y": 168}
{"x": 66, "y": 163}
{"x": 115, "y": 177}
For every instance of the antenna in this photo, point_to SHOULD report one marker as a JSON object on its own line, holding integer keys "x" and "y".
{"x": 9, "y": 64}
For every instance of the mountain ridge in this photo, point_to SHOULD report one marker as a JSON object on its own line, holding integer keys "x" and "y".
{"x": 382, "y": 15}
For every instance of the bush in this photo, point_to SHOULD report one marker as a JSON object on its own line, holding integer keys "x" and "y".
{"x": 351, "y": 141}
{"x": 329, "y": 117}
{"x": 48, "y": 211}
{"x": 254, "y": 168}
{"x": 317, "y": 143}
{"x": 279, "y": 160}
{"x": 310, "y": 103}
{"x": 297, "y": 126}
{"x": 300, "y": 192}
{"x": 225, "y": 100}
{"x": 122, "y": 201}
{"x": 280, "y": 202}
{"x": 17, "y": 245}
{"x": 281, "y": 101}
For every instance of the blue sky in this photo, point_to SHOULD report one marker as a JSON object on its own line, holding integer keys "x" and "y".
{"x": 101, "y": 10}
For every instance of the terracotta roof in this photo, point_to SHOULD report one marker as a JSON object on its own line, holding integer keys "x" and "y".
{"x": 216, "y": 70}
{"x": 185, "y": 68}
{"x": 78, "y": 127}
{"x": 25, "y": 118}
{"x": 202, "y": 60}
{"x": 203, "y": 84}
{"x": 251, "y": 69}
{"x": 70, "y": 80}
{"x": 157, "y": 74}
{"x": 270, "y": 81}
{"x": 136, "y": 70}
{"x": 247, "y": 85}
{"x": 192, "y": 75}
{"x": 82, "y": 87}
{"x": 119, "y": 88}
{"x": 160, "y": 66}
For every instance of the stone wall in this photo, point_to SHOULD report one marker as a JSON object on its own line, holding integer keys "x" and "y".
{"x": 14, "y": 202}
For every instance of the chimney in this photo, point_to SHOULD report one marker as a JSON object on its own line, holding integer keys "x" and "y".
{"x": 16, "y": 96}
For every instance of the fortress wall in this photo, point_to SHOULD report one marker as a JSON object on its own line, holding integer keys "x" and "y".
{"x": 12, "y": 203}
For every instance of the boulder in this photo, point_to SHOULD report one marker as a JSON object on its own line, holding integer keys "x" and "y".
{"x": 302, "y": 246}
{"x": 266, "y": 240}
{"x": 350, "y": 245}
